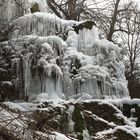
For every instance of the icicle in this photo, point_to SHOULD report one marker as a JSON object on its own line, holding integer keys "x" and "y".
{"x": 43, "y": 24}
{"x": 26, "y": 60}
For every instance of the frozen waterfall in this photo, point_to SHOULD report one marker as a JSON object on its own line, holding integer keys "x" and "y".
{"x": 62, "y": 58}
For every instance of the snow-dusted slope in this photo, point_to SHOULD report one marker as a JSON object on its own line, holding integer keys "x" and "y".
{"x": 62, "y": 58}
{"x": 74, "y": 120}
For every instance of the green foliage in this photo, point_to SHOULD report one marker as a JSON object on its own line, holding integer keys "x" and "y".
{"x": 35, "y": 8}
{"x": 64, "y": 122}
{"x": 79, "y": 125}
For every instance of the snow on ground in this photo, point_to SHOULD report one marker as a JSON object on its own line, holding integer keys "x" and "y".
{"x": 22, "y": 106}
{"x": 100, "y": 135}
{"x": 119, "y": 102}
{"x": 129, "y": 127}
{"x": 13, "y": 122}
{"x": 59, "y": 136}
{"x": 56, "y": 136}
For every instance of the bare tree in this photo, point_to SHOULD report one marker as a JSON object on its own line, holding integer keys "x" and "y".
{"x": 68, "y": 9}
{"x": 109, "y": 15}
{"x": 131, "y": 40}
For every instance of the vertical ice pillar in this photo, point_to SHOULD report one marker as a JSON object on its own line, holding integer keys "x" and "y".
{"x": 26, "y": 60}
{"x": 53, "y": 86}
{"x": 87, "y": 34}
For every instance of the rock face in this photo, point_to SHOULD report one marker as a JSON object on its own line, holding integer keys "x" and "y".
{"x": 97, "y": 119}
{"x": 131, "y": 109}
{"x": 48, "y": 56}
{"x": 85, "y": 120}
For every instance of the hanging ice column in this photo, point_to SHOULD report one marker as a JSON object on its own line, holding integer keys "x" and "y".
{"x": 42, "y": 24}
{"x": 87, "y": 34}
{"x": 26, "y": 62}
{"x": 36, "y": 20}
{"x": 51, "y": 75}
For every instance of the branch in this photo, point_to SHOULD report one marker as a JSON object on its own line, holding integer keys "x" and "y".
{"x": 52, "y": 1}
{"x": 54, "y": 9}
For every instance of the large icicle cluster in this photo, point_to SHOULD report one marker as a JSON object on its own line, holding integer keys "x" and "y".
{"x": 41, "y": 24}
{"x": 96, "y": 69}
{"x": 64, "y": 58}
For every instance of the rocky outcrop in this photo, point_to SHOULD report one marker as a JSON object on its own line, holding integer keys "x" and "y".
{"x": 101, "y": 120}
{"x": 130, "y": 109}
{"x": 118, "y": 134}
{"x": 82, "y": 120}
{"x": 81, "y": 26}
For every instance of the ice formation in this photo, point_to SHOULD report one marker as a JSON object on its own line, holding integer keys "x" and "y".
{"x": 41, "y": 24}
{"x": 52, "y": 58}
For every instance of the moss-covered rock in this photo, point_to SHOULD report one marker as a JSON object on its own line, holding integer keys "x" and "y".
{"x": 35, "y": 8}
{"x": 86, "y": 24}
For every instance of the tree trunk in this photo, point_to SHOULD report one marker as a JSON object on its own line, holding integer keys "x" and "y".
{"x": 113, "y": 21}
{"x": 72, "y": 9}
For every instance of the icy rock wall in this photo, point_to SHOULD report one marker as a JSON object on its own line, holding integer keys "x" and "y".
{"x": 32, "y": 17}
{"x": 93, "y": 66}
{"x": 65, "y": 68}
{"x": 54, "y": 58}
